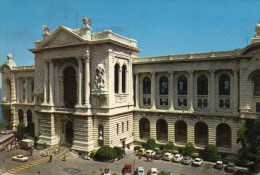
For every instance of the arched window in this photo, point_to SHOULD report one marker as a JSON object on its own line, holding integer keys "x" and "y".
{"x": 116, "y": 80}
{"x": 20, "y": 115}
{"x": 182, "y": 85}
{"x": 162, "y": 130}
{"x": 163, "y": 85}
{"x": 70, "y": 90}
{"x": 202, "y": 85}
{"x": 223, "y": 135}
{"x": 144, "y": 128}
{"x": 201, "y": 134}
{"x": 146, "y": 85}
{"x": 180, "y": 132}
{"x": 224, "y": 85}
{"x": 124, "y": 79}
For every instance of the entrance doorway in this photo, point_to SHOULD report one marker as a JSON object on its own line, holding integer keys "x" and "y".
{"x": 69, "y": 134}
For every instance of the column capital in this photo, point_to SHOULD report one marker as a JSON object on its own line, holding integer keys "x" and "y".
{"x": 137, "y": 73}
{"x": 212, "y": 70}
{"x": 191, "y": 72}
{"x": 153, "y": 73}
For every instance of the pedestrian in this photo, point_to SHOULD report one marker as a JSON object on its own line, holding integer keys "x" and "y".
{"x": 64, "y": 157}
{"x": 50, "y": 158}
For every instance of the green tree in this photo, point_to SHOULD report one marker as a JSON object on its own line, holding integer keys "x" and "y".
{"x": 21, "y": 127}
{"x": 169, "y": 146}
{"x": 210, "y": 153}
{"x": 106, "y": 153}
{"x": 150, "y": 144}
{"x": 119, "y": 152}
{"x": 163, "y": 173}
{"x": 189, "y": 149}
{"x": 249, "y": 138}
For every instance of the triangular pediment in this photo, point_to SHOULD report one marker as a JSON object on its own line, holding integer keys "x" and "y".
{"x": 61, "y": 37}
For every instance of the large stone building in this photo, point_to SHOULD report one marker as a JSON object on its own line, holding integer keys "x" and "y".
{"x": 90, "y": 89}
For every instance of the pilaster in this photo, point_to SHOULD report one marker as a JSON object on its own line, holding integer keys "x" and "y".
{"x": 191, "y": 93}
{"x": 80, "y": 71}
{"x": 235, "y": 92}
{"x": 51, "y": 83}
{"x": 137, "y": 90}
{"x": 171, "y": 89}
{"x": 87, "y": 80}
{"x": 212, "y": 95}
{"x": 153, "y": 91}
{"x": 45, "y": 82}
{"x": 13, "y": 89}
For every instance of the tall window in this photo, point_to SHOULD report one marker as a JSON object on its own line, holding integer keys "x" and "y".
{"x": 163, "y": 85}
{"x": 123, "y": 127}
{"x": 124, "y": 79}
{"x": 224, "y": 85}
{"x": 127, "y": 126}
{"x": 117, "y": 128}
{"x": 182, "y": 85}
{"x": 256, "y": 80}
{"x": 202, "y": 85}
{"x": 116, "y": 74}
{"x": 146, "y": 85}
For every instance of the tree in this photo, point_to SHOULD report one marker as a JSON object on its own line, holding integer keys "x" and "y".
{"x": 249, "y": 138}
{"x": 210, "y": 153}
{"x": 119, "y": 152}
{"x": 189, "y": 149}
{"x": 106, "y": 153}
{"x": 169, "y": 146}
{"x": 150, "y": 144}
{"x": 21, "y": 127}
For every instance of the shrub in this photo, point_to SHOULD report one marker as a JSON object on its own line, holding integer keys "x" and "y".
{"x": 106, "y": 153}
{"x": 93, "y": 153}
{"x": 9, "y": 126}
{"x": 163, "y": 173}
{"x": 21, "y": 127}
{"x": 169, "y": 146}
{"x": 189, "y": 149}
{"x": 137, "y": 147}
{"x": 150, "y": 144}
{"x": 210, "y": 153}
{"x": 119, "y": 152}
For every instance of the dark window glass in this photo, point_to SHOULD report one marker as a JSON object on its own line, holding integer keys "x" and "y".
{"x": 257, "y": 107}
{"x": 164, "y": 86}
{"x": 124, "y": 79}
{"x": 202, "y": 85}
{"x": 146, "y": 85}
{"x": 182, "y": 85}
{"x": 116, "y": 74}
{"x": 256, "y": 80}
{"x": 224, "y": 85}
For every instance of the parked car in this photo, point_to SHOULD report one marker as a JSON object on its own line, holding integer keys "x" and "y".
{"x": 149, "y": 153}
{"x": 107, "y": 171}
{"x": 127, "y": 170}
{"x": 197, "y": 162}
{"x": 6, "y": 132}
{"x": 177, "y": 158}
{"x": 20, "y": 158}
{"x": 218, "y": 165}
{"x": 230, "y": 167}
{"x": 168, "y": 156}
{"x": 158, "y": 155}
{"x": 187, "y": 160}
{"x": 140, "y": 171}
{"x": 141, "y": 152}
{"x": 153, "y": 171}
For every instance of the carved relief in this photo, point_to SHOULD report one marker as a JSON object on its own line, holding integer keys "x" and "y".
{"x": 120, "y": 99}
{"x": 62, "y": 38}
{"x": 99, "y": 78}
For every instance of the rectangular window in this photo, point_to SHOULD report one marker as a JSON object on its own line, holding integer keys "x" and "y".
{"x": 257, "y": 107}
{"x": 117, "y": 128}
{"x": 127, "y": 125}
{"x": 147, "y": 101}
{"x": 164, "y": 101}
{"x": 122, "y": 127}
{"x": 182, "y": 102}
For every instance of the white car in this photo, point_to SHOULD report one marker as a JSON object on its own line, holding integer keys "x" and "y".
{"x": 20, "y": 158}
{"x": 140, "y": 171}
{"x": 153, "y": 171}
{"x": 177, "y": 158}
{"x": 168, "y": 156}
{"x": 149, "y": 153}
{"x": 197, "y": 162}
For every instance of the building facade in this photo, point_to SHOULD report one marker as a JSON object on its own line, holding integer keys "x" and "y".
{"x": 90, "y": 89}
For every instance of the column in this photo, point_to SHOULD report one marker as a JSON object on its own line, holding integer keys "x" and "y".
{"x": 171, "y": 91}
{"x": 234, "y": 93}
{"x": 190, "y": 85}
{"x": 13, "y": 89}
{"x": 26, "y": 90}
{"x": 80, "y": 70}
{"x": 137, "y": 90}
{"x": 87, "y": 80}
{"x": 61, "y": 91}
{"x": 29, "y": 90}
{"x": 212, "y": 95}
{"x": 153, "y": 91}
{"x": 45, "y": 82}
{"x": 51, "y": 82}
{"x": 18, "y": 89}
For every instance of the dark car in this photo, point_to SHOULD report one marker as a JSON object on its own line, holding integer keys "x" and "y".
{"x": 158, "y": 155}
{"x": 230, "y": 167}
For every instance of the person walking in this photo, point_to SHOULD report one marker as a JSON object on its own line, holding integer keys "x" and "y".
{"x": 64, "y": 157}
{"x": 50, "y": 158}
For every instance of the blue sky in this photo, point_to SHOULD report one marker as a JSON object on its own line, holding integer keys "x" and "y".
{"x": 160, "y": 27}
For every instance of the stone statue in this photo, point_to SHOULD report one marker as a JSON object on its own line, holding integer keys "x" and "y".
{"x": 9, "y": 56}
{"x": 46, "y": 30}
{"x": 99, "y": 78}
{"x": 86, "y": 23}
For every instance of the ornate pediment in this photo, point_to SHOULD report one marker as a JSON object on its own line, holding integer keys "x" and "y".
{"x": 62, "y": 38}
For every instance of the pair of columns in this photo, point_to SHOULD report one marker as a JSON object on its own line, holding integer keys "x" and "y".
{"x": 28, "y": 90}
{"x": 49, "y": 82}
